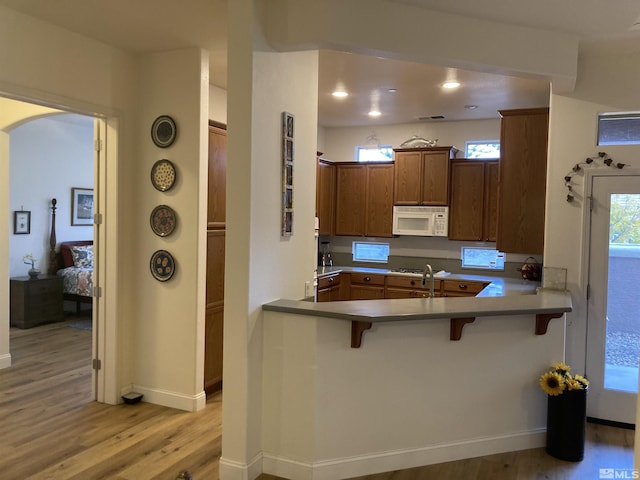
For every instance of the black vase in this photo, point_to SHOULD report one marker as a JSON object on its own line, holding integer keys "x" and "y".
{"x": 566, "y": 424}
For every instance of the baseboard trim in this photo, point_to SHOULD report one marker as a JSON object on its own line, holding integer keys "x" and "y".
{"x": 401, "y": 459}
{"x": 5, "y": 361}
{"x": 231, "y": 470}
{"x": 612, "y": 423}
{"x": 180, "y": 401}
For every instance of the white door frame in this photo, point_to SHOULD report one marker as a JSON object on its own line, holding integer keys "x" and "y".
{"x": 586, "y": 253}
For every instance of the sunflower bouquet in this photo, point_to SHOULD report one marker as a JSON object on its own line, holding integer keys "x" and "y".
{"x": 558, "y": 379}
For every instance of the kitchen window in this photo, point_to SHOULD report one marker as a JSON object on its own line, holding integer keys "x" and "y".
{"x": 619, "y": 128}
{"x": 482, "y": 258}
{"x": 374, "y": 252}
{"x": 482, "y": 149}
{"x": 378, "y": 153}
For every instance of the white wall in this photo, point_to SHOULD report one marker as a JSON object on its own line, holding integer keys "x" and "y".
{"x": 147, "y": 322}
{"x": 217, "y": 104}
{"x": 340, "y": 143}
{"x": 169, "y": 316}
{"x": 261, "y": 265}
{"x": 49, "y": 156}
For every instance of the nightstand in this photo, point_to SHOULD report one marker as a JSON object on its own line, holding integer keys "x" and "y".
{"x": 36, "y": 301}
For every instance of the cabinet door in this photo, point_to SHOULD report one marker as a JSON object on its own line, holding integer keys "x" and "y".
{"x": 379, "y": 201}
{"x": 350, "y": 199}
{"x": 216, "y": 205}
{"x": 214, "y": 316}
{"x": 523, "y": 169}
{"x": 408, "y": 175}
{"x": 491, "y": 177}
{"x": 467, "y": 194}
{"x": 366, "y": 292}
{"x": 325, "y": 197}
{"x": 435, "y": 178}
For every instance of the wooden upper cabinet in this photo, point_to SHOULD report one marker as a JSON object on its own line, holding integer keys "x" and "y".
{"x": 326, "y": 196}
{"x": 491, "y": 189}
{"x": 379, "y": 201}
{"x": 422, "y": 175}
{"x": 474, "y": 201}
{"x": 350, "y": 199}
{"x": 216, "y": 206}
{"x": 523, "y": 171}
{"x": 364, "y": 199}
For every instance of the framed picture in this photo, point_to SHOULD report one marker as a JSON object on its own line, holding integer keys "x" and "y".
{"x": 21, "y": 222}
{"x": 287, "y": 174}
{"x": 81, "y": 206}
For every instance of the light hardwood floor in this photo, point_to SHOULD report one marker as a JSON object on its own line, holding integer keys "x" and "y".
{"x": 50, "y": 429}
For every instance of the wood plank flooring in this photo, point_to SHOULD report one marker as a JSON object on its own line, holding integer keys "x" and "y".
{"x": 51, "y": 429}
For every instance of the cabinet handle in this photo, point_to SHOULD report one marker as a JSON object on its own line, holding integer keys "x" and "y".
{"x": 331, "y": 280}
{"x": 462, "y": 286}
{"x": 367, "y": 279}
{"x": 413, "y": 282}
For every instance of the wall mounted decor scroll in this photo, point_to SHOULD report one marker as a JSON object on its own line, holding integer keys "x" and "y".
{"x": 163, "y": 175}
{"x": 162, "y": 265}
{"x": 287, "y": 174}
{"x": 164, "y": 131}
{"x": 163, "y": 220}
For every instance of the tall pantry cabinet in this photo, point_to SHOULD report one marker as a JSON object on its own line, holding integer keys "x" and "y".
{"x": 523, "y": 179}
{"x": 216, "y": 230}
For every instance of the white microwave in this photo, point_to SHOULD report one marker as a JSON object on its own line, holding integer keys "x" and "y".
{"x": 421, "y": 221}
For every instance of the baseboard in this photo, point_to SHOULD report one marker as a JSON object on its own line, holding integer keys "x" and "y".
{"x": 5, "y": 361}
{"x": 612, "y": 423}
{"x": 400, "y": 459}
{"x": 180, "y": 401}
{"x": 230, "y": 470}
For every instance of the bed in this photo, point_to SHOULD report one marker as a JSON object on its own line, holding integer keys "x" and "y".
{"x": 75, "y": 266}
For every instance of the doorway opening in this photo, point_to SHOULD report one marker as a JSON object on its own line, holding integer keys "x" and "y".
{"x": 52, "y": 177}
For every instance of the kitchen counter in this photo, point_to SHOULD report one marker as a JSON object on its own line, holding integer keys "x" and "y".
{"x": 498, "y": 286}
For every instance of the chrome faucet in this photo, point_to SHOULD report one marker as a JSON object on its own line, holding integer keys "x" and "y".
{"x": 429, "y": 270}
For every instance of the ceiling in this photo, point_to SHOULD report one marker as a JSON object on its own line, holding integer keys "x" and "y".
{"x": 145, "y": 26}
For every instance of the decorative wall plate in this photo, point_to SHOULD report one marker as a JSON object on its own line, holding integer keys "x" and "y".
{"x": 163, "y": 220}
{"x": 163, "y": 131}
{"x": 162, "y": 265}
{"x": 163, "y": 175}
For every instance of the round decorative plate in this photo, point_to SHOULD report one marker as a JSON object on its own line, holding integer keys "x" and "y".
{"x": 163, "y": 175}
{"x": 163, "y": 131}
{"x": 163, "y": 220}
{"x": 162, "y": 265}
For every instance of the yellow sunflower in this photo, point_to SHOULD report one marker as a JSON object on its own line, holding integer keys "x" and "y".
{"x": 552, "y": 383}
{"x": 561, "y": 368}
{"x": 573, "y": 384}
{"x": 581, "y": 380}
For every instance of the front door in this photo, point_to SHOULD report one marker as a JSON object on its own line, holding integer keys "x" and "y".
{"x": 613, "y": 317}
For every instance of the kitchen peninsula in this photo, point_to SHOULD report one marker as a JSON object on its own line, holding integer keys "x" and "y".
{"x": 409, "y": 395}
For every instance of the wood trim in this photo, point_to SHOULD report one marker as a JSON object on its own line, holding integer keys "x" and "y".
{"x": 357, "y": 329}
{"x": 455, "y": 331}
{"x": 213, "y": 123}
{"x": 543, "y": 319}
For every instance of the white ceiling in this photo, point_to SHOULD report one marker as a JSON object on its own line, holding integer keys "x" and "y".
{"x": 144, "y": 26}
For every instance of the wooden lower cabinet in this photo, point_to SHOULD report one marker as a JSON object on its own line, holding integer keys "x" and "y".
{"x": 461, "y": 288}
{"x": 409, "y": 287}
{"x": 366, "y": 286}
{"x": 329, "y": 288}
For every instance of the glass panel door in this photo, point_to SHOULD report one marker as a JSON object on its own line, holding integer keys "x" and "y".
{"x": 613, "y": 325}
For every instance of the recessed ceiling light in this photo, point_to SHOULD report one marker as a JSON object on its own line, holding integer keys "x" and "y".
{"x": 374, "y": 113}
{"x": 451, "y": 84}
{"x": 392, "y": 90}
{"x": 340, "y": 94}
{"x": 471, "y": 107}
